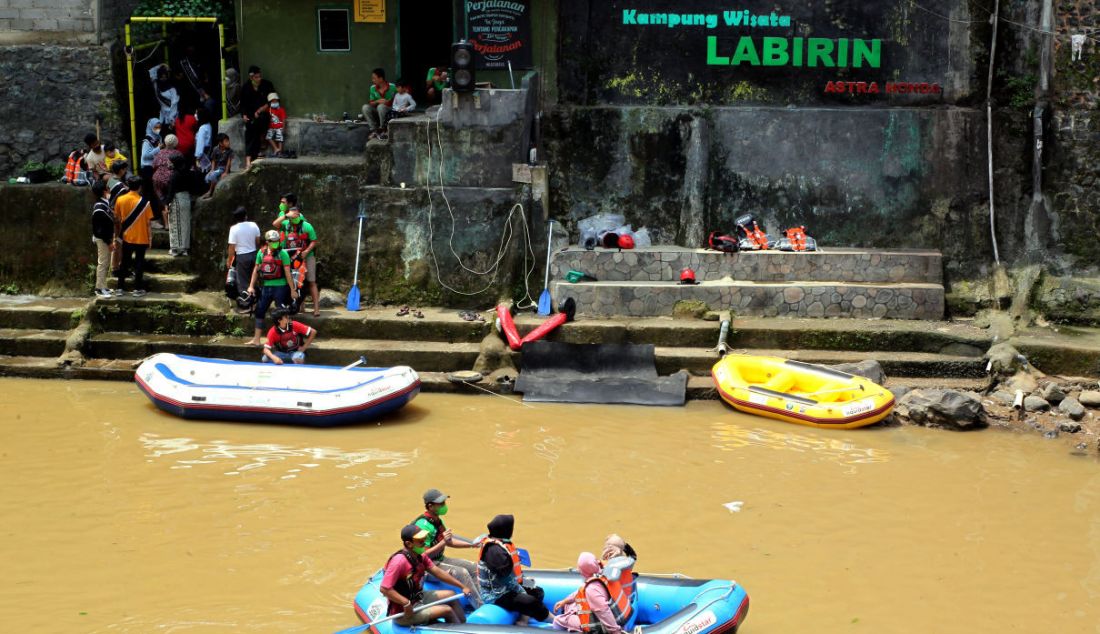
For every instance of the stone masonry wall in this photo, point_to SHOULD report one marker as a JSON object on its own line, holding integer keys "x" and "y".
{"x": 52, "y": 95}
{"x": 48, "y": 15}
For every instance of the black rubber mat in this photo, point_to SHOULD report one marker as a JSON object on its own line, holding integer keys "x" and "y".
{"x": 611, "y": 373}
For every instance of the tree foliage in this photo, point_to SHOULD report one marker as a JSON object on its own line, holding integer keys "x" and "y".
{"x": 222, "y": 9}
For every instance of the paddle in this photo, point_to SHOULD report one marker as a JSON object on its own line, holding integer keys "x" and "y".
{"x": 544, "y": 299}
{"x": 349, "y": 366}
{"x": 353, "y": 294}
{"x": 365, "y": 626}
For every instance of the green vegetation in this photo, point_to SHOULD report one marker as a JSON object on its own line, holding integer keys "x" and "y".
{"x": 11, "y": 288}
{"x": 222, "y": 9}
{"x": 55, "y": 171}
{"x": 1021, "y": 91}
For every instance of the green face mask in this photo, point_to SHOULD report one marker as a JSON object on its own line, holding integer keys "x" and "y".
{"x": 273, "y": 245}
{"x": 419, "y": 549}
{"x": 283, "y": 207}
{"x": 296, "y": 221}
{"x": 441, "y": 510}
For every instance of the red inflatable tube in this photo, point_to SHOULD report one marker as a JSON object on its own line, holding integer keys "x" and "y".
{"x": 545, "y": 328}
{"x": 508, "y": 327}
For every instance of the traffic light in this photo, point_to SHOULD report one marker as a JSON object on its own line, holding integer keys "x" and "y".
{"x": 462, "y": 66}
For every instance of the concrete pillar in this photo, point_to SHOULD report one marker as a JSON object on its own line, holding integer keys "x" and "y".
{"x": 693, "y": 207}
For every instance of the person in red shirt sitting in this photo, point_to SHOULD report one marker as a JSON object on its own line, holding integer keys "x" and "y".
{"x": 287, "y": 340}
{"x": 403, "y": 584}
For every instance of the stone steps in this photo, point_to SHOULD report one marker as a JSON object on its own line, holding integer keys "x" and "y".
{"x": 428, "y": 356}
{"x": 664, "y": 263}
{"x": 162, "y": 282}
{"x": 160, "y": 261}
{"x": 32, "y": 342}
{"x": 49, "y": 314}
{"x": 699, "y": 361}
{"x": 770, "y": 299}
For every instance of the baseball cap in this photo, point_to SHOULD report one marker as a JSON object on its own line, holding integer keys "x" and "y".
{"x": 434, "y": 496}
{"x": 412, "y": 532}
{"x": 271, "y": 235}
{"x": 274, "y": 96}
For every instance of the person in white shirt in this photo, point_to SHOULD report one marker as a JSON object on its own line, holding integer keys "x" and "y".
{"x": 244, "y": 239}
{"x": 403, "y": 105}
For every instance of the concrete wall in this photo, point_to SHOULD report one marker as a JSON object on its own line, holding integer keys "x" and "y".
{"x": 57, "y": 216}
{"x": 52, "y": 95}
{"x": 280, "y": 36}
{"x": 48, "y": 15}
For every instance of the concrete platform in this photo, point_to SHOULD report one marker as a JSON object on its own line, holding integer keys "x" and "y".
{"x": 768, "y": 299}
{"x": 664, "y": 263}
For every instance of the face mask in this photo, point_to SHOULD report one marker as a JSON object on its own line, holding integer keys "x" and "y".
{"x": 283, "y": 207}
{"x": 274, "y": 104}
{"x": 297, "y": 220}
{"x": 419, "y": 549}
{"x": 441, "y": 510}
{"x": 273, "y": 245}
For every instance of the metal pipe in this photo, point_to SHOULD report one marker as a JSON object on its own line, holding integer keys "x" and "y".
{"x": 989, "y": 126}
{"x": 130, "y": 87}
{"x": 221, "y": 60}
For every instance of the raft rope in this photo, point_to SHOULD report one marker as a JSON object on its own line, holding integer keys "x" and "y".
{"x": 505, "y": 238}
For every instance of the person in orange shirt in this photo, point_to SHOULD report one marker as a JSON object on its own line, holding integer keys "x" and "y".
{"x": 135, "y": 215}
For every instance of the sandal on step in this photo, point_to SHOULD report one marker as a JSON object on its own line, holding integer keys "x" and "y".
{"x": 418, "y": 314}
{"x": 404, "y": 310}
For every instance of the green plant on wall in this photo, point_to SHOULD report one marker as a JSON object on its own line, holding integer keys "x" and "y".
{"x": 222, "y": 9}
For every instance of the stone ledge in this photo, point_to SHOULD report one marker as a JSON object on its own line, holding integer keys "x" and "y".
{"x": 792, "y": 299}
{"x": 664, "y": 263}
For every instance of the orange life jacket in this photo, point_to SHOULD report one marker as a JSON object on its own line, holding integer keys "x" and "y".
{"x": 72, "y": 167}
{"x": 517, "y": 569}
{"x": 797, "y": 238}
{"x": 757, "y": 237}
{"x": 620, "y": 604}
{"x": 626, "y": 580}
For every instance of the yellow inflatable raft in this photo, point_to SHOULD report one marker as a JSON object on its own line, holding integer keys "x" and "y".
{"x": 799, "y": 392}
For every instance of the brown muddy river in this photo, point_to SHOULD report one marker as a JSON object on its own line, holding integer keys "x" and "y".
{"x": 119, "y": 518}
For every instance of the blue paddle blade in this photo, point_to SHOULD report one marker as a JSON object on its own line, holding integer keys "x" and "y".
{"x": 544, "y": 302}
{"x": 524, "y": 556}
{"x": 353, "y": 298}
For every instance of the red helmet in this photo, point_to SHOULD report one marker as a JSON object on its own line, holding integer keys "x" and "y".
{"x": 687, "y": 276}
{"x": 626, "y": 242}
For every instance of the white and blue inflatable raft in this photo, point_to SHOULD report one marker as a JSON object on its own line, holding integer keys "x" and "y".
{"x": 664, "y": 605}
{"x": 311, "y": 395}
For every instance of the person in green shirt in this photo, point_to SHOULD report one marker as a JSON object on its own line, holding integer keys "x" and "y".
{"x": 435, "y": 83}
{"x": 439, "y": 537}
{"x": 379, "y": 103}
{"x": 299, "y": 239}
{"x": 273, "y": 269}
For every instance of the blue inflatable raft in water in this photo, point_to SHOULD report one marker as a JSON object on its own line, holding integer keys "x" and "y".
{"x": 664, "y": 605}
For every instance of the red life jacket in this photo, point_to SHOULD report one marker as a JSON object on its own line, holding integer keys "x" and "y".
{"x": 619, "y": 604}
{"x": 271, "y": 266}
{"x": 294, "y": 236}
{"x": 797, "y": 238}
{"x": 287, "y": 340}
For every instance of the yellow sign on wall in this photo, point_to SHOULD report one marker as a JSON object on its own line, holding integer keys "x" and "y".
{"x": 370, "y": 10}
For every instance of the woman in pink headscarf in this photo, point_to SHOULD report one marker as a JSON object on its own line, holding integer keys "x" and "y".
{"x": 595, "y": 595}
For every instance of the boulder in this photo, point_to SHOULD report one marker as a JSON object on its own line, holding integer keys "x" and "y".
{"x": 1034, "y": 403}
{"x": 330, "y": 298}
{"x": 1004, "y": 397}
{"x": 494, "y": 355}
{"x": 869, "y": 369}
{"x": 1090, "y": 398}
{"x": 900, "y": 391}
{"x": 948, "y": 409}
{"x": 1052, "y": 393}
{"x": 1072, "y": 407}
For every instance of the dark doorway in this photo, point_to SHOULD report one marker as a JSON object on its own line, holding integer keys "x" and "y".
{"x": 427, "y": 32}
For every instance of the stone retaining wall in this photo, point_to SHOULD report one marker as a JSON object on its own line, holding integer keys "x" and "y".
{"x": 656, "y": 264}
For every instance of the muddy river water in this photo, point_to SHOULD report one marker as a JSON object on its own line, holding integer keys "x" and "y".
{"x": 118, "y": 518}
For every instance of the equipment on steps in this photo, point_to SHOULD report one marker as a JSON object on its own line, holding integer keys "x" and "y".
{"x": 799, "y": 392}
{"x": 687, "y": 277}
{"x": 795, "y": 239}
{"x": 575, "y": 277}
{"x": 353, "y": 294}
{"x": 507, "y": 325}
{"x": 544, "y": 298}
{"x": 723, "y": 348}
{"x": 755, "y": 239}
{"x": 723, "y": 243}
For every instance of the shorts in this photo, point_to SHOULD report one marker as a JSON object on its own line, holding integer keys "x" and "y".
{"x": 419, "y": 618}
{"x": 311, "y": 268}
{"x": 275, "y": 134}
{"x": 214, "y": 175}
{"x": 287, "y": 357}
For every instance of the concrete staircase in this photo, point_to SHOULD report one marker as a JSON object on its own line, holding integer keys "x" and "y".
{"x": 34, "y": 332}
{"x": 879, "y": 284}
{"x": 164, "y": 273}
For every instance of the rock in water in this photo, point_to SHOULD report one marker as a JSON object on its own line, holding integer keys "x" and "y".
{"x": 869, "y": 369}
{"x": 1004, "y": 398}
{"x": 900, "y": 391}
{"x": 1090, "y": 398}
{"x": 1023, "y": 381}
{"x": 1072, "y": 408}
{"x": 1035, "y": 404}
{"x": 1004, "y": 360}
{"x": 948, "y": 409}
{"x": 1052, "y": 393}
{"x": 1068, "y": 427}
